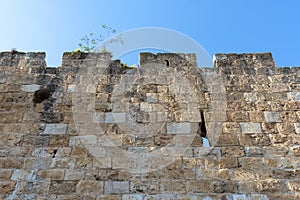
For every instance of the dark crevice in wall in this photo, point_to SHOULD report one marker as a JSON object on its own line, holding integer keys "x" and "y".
{"x": 167, "y": 63}
{"x": 202, "y": 125}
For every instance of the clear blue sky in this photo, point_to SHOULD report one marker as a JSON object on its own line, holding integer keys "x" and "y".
{"x": 220, "y": 26}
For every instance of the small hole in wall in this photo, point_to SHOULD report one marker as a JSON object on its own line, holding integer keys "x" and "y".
{"x": 167, "y": 63}
{"x": 41, "y": 95}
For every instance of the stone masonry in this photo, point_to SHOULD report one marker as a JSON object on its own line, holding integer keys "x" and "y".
{"x": 94, "y": 128}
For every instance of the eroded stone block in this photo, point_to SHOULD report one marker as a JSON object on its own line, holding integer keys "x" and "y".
{"x": 115, "y": 117}
{"x": 297, "y": 128}
{"x": 178, "y": 128}
{"x": 116, "y": 187}
{"x": 55, "y": 129}
{"x": 293, "y": 96}
{"x": 272, "y": 116}
{"x": 250, "y": 127}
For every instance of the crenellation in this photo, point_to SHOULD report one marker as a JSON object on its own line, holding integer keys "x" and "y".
{"x": 96, "y": 129}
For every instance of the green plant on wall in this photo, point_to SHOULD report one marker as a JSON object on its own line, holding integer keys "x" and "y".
{"x": 93, "y": 43}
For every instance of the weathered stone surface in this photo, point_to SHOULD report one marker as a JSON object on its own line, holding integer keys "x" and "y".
{"x": 198, "y": 186}
{"x": 87, "y": 130}
{"x": 62, "y": 187}
{"x": 250, "y": 127}
{"x": 89, "y": 186}
{"x": 297, "y": 128}
{"x": 116, "y": 187}
{"x": 293, "y": 96}
{"x": 7, "y": 187}
{"x": 271, "y": 186}
{"x": 178, "y": 128}
{"x": 55, "y": 129}
{"x": 132, "y": 197}
{"x": 233, "y": 152}
{"x": 51, "y": 174}
{"x": 254, "y": 151}
{"x": 115, "y": 117}
{"x": 71, "y": 175}
{"x": 272, "y": 116}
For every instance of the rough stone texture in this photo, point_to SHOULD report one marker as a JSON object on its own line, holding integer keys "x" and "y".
{"x": 176, "y": 128}
{"x": 94, "y": 129}
{"x": 55, "y": 129}
{"x": 116, "y": 187}
{"x": 250, "y": 127}
{"x": 272, "y": 117}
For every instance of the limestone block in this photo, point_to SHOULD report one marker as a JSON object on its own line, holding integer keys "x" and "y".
{"x": 30, "y": 88}
{"x": 74, "y": 174}
{"x": 71, "y": 88}
{"x": 237, "y": 116}
{"x": 38, "y": 163}
{"x": 79, "y": 151}
{"x": 115, "y": 117}
{"x": 239, "y": 197}
{"x": 250, "y": 163}
{"x": 97, "y": 151}
{"x": 132, "y": 197}
{"x": 198, "y": 186}
{"x": 273, "y": 162}
{"x": 21, "y": 174}
{"x": 160, "y": 196}
{"x": 11, "y": 163}
{"x": 101, "y": 107}
{"x": 2, "y": 80}
{"x": 146, "y": 107}
{"x": 152, "y": 97}
{"x": 271, "y": 185}
{"x": 225, "y": 140}
{"x": 63, "y": 152}
{"x": 256, "y": 116}
{"x": 57, "y": 174}
{"x": 55, "y": 129}
{"x": 279, "y": 151}
{"x": 83, "y": 140}
{"x": 5, "y": 174}
{"x": 44, "y": 152}
{"x": 295, "y": 150}
{"x": 221, "y": 186}
{"x": 253, "y": 151}
{"x": 294, "y": 185}
{"x": 173, "y": 186}
{"x": 250, "y": 97}
{"x": 62, "y": 163}
{"x": 116, "y": 187}
{"x": 178, "y": 128}
{"x": 99, "y": 117}
{"x": 89, "y": 186}
{"x": 293, "y": 96}
{"x": 31, "y": 187}
{"x": 109, "y": 197}
{"x": 228, "y": 163}
{"x": 250, "y": 127}
{"x": 7, "y": 187}
{"x": 62, "y": 187}
{"x": 163, "y": 79}
{"x": 289, "y": 116}
{"x": 232, "y": 151}
{"x": 272, "y": 116}
{"x": 297, "y": 127}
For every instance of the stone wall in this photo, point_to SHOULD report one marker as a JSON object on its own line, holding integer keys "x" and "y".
{"x": 97, "y": 129}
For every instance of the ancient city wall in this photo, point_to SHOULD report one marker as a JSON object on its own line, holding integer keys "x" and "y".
{"x": 97, "y": 129}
